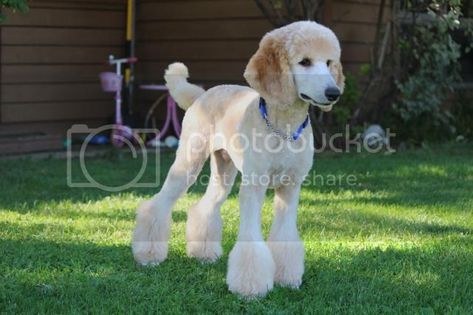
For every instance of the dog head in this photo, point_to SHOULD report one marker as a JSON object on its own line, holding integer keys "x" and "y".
{"x": 298, "y": 61}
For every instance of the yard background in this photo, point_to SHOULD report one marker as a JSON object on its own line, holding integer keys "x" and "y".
{"x": 399, "y": 241}
{"x": 50, "y": 58}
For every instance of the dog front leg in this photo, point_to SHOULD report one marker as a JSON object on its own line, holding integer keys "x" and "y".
{"x": 250, "y": 266}
{"x": 284, "y": 242}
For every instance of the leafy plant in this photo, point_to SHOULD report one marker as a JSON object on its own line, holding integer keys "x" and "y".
{"x": 463, "y": 113}
{"x": 15, "y": 5}
{"x": 343, "y": 111}
{"x": 433, "y": 69}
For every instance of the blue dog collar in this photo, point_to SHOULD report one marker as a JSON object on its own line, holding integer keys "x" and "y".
{"x": 296, "y": 135}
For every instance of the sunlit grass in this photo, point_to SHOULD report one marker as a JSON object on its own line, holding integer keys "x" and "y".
{"x": 398, "y": 240}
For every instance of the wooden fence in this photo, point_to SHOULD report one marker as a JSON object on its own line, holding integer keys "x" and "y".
{"x": 50, "y": 58}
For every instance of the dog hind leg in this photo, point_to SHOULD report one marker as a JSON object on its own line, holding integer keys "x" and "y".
{"x": 204, "y": 223}
{"x": 151, "y": 234}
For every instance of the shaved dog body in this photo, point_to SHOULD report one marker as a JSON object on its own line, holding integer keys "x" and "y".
{"x": 294, "y": 67}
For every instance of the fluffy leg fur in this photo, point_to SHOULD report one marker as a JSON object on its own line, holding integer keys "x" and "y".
{"x": 151, "y": 234}
{"x": 204, "y": 224}
{"x": 284, "y": 242}
{"x": 250, "y": 266}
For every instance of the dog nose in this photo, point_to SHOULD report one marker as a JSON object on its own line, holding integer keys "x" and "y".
{"x": 332, "y": 94}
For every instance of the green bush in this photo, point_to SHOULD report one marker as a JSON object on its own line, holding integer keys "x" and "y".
{"x": 343, "y": 111}
{"x": 15, "y": 5}
{"x": 463, "y": 113}
{"x": 433, "y": 69}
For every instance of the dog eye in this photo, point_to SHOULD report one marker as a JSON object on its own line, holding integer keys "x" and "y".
{"x": 305, "y": 62}
{"x": 329, "y": 62}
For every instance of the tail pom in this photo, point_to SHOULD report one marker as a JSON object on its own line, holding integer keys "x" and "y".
{"x": 177, "y": 69}
{"x": 175, "y": 73}
{"x": 183, "y": 92}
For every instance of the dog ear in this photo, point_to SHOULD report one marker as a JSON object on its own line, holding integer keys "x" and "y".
{"x": 269, "y": 72}
{"x": 337, "y": 71}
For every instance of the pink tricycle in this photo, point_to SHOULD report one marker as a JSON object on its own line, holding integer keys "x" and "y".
{"x": 112, "y": 82}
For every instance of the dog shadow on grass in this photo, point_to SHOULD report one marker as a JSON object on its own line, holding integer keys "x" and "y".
{"x": 338, "y": 280}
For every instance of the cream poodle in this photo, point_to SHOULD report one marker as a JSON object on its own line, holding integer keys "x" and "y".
{"x": 261, "y": 132}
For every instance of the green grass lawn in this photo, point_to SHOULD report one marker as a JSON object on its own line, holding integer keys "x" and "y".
{"x": 398, "y": 241}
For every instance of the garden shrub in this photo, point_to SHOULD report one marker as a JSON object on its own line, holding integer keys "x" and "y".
{"x": 15, "y": 5}
{"x": 432, "y": 57}
{"x": 343, "y": 110}
{"x": 463, "y": 113}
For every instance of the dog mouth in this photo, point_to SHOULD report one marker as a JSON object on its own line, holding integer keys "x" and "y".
{"x": 305, "y": 97}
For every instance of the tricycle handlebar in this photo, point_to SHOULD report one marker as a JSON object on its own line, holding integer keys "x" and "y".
{"x": 112, "y": 60}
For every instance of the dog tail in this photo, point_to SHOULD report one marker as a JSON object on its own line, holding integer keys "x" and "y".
{"x": 183, "y": 92}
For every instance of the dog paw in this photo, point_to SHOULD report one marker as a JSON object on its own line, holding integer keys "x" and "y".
{"x": 203, "y": 233}
{"x": 205, "y": 251}
{"x": 149, "y": 253}
{"x": 150, "y": 237}
{"x": 250, "y": 269}
{"x": 289, "y": 260}
{"x": 292, "y": 281}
